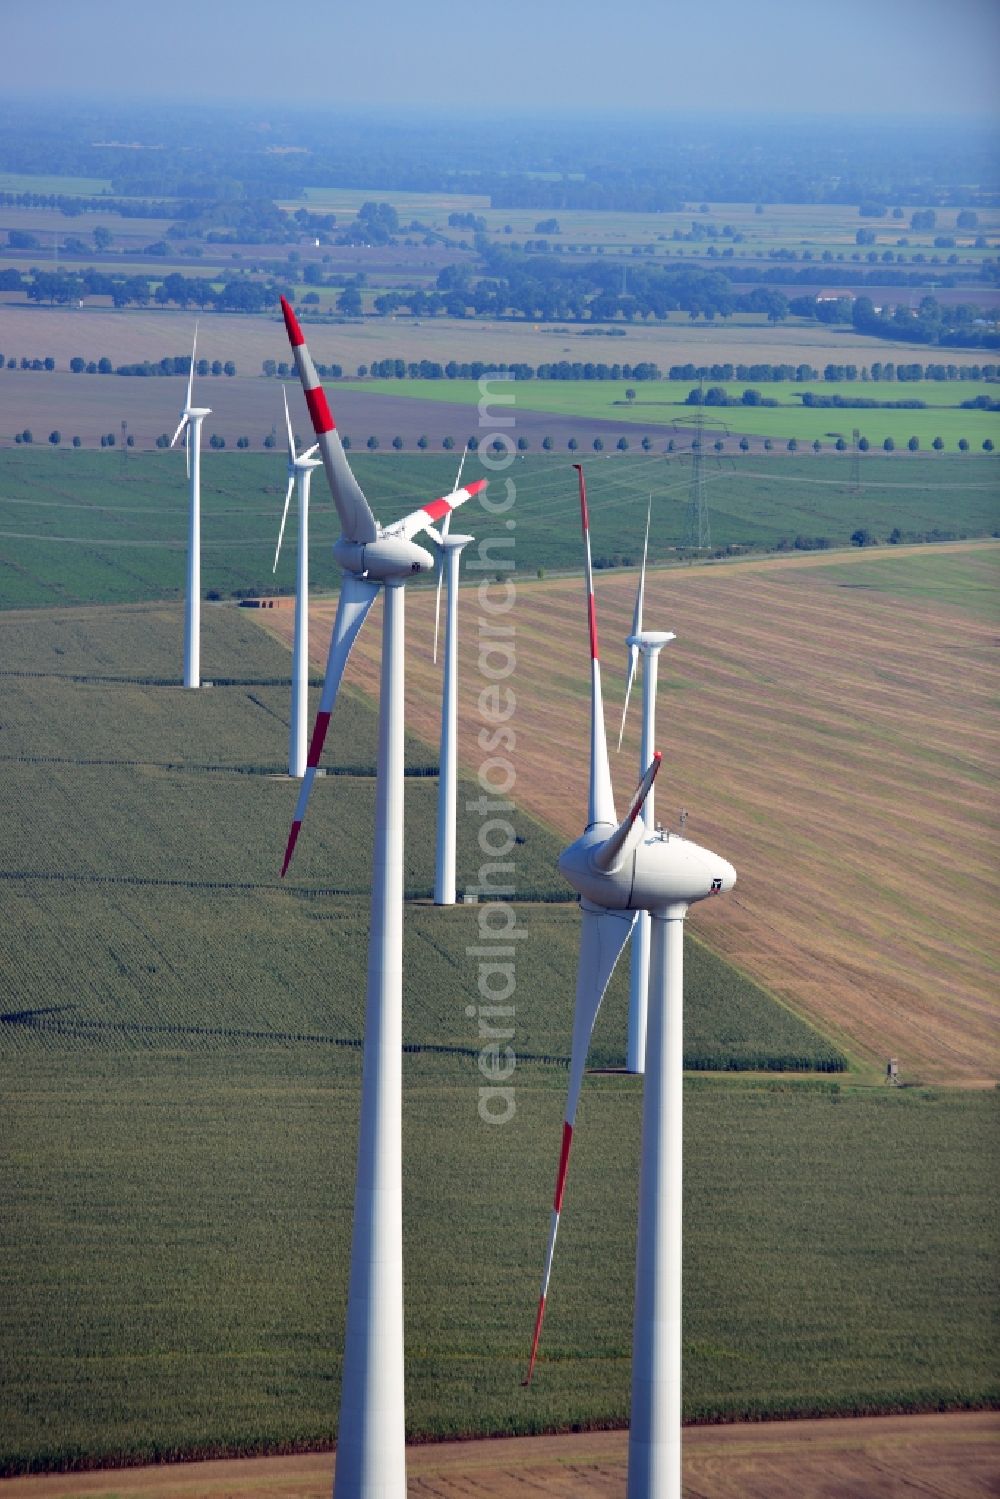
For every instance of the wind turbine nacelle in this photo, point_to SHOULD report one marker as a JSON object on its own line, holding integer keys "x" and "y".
{"x": 651, "y": 640}
{"x": 664, "y": 870}
{"x": 386, "y": 560}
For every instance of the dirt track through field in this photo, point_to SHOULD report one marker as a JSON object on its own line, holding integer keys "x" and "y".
{"x": 836, "y": 742}
{"x": 888, "y": 1457}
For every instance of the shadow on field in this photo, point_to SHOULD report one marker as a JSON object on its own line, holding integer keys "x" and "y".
{"x": 38, "y": 1020}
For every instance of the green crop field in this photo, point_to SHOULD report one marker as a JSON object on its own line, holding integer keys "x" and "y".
{"x": 75, "y": 526}
{"x": 40, "y": 182}
{"x": 177, "y": 1230}
{"x": 662, "y": 405}
{"x": 967, "y": 583}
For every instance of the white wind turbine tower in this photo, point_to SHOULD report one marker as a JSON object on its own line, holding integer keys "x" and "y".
{"x": 618, "y": 868}
{"x": 300, "y": 470}
{"x": 449, "y": 557}
{"x": 371, "y": 1457}
{"x": 190, "y": 424}
{"x": 648, "y": 644}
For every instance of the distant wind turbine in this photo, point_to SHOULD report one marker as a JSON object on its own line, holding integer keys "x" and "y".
{"x": 190, "y": 424}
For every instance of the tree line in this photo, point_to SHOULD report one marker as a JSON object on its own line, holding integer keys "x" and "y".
{"x": 931, "y": 323}
{"x": 543, "y": 289}
{"x": 72, "y": 206}
{"x": 643, "y": 371}
{"x": 799, "y": 373}
{"x": 240, "y": 293}
{"x": 548, "y": 445}
{"x": 432, "y": 369}
{"x": 550, "y": 289}
{"x": 171, "y": 364}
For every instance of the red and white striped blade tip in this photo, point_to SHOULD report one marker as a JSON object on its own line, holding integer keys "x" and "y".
{"x": 318, "y": 739}
{"x": 439, "y": 508}
{"x": 584, "y": 512}
{"x": 526, "y": 1381}
{"x": 290, "y": 846}
{"x": 557, "y": 1202}
{"x": 467, "y": 491}
{"x": 295, "y": 335}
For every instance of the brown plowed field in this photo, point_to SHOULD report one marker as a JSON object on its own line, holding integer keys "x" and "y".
{"x": 887, "y": 1457}
{"x": 835, "y": 740}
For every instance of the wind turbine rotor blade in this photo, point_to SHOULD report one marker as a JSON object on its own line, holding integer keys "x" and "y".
{"x": 180, "y": 428}
{"x": 440, "y": 538}
{"x": 437, "y": 601}
{"x": 609, "y": 856}
{"x": 633, "y": 657}
{"x": 641, "y": 592}
{"x": 187, "y": 451}
{"x": 418, "y": 520}
{"x": 603, "y": 935}
{"x": 461, "y": 465}
{"x": 601, "y": 800}
{"x": 356, "y": 518}
{"x": 356, "y": 599}
{"x": 633, "y": 650}
{"x": 288, "y": 427}
{"x": 194, "y": 351}
{"x": 284, "y": 517}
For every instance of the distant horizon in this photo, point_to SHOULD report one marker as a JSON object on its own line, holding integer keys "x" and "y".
{"x": 877, "y": 60}
{"x": 438, "y": 113}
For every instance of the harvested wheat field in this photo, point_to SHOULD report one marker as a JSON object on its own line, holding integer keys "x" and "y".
{"x": 828, "y": 721}
{"x": 879, "y": 1457}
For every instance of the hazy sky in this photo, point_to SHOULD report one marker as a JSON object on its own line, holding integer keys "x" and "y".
{"x": 866, "y": 56}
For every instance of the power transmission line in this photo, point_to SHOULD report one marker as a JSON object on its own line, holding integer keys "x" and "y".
{"x": 698, "y": 536}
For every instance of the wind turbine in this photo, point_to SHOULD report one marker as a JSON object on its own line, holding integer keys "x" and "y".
{"x": 648, "y": 644}
{"x": 618, "y": 869}
{"x": 299, "y": 469}
{"x": 371, "y": 1457}
{"x": 449, "y": 557}
{"x": 190, "y": 424}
